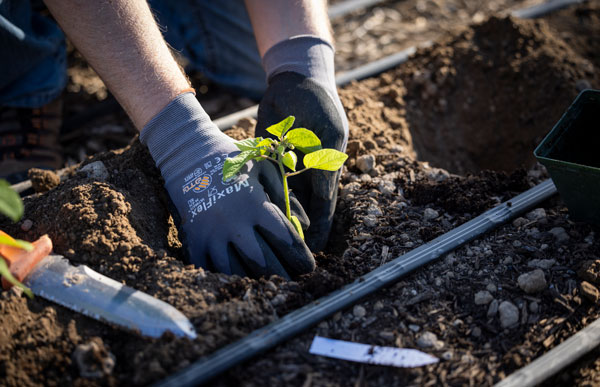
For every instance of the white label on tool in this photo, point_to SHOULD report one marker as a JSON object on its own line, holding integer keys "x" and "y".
{"x": 370, "y": 354}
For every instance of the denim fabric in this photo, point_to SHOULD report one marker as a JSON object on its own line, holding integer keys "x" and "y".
{"x": 217, "y": 39}
{"x": 215, "y": 36}
{"x": 33, "y": 65}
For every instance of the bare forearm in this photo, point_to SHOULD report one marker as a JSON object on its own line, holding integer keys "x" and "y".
{"x": 121, "y": 41}
{"x": 275, "y": 21}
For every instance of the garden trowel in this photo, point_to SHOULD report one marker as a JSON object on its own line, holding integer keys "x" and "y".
{"x": 93, "y": 294}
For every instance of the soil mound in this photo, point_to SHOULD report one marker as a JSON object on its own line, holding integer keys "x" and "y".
{"x": 484, "y": 98}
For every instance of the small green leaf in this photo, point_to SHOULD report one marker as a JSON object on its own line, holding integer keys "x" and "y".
{"x": 280, "y": 128}
{"x": 8, "y": 241}
{"x": 248, "y": 144}
{"x": 325, "y": 159}
{"x": 10, "y": 202}
{"x": 297, "y": 226}
{"x": 4, "y": 272}
{"x": 234, "y": 164}
{"x": 304, "y": 139}
{"x": 289, "y": 160}
{"x": 264, "y": 146}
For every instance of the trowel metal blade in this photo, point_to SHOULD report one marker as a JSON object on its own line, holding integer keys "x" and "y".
{"x": 92, "y": 294}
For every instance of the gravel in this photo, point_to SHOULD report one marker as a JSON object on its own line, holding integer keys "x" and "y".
{"x": 365, "y": 163}
{"x": 483, "y": 297}
{"x": 509, "y": 314}
{"x": 429, "y": 340}
{"x": 430, "y": 214}
{"x": 532, "y": 282}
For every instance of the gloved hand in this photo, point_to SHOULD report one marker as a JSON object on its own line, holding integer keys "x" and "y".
{"x": 232, "y": 226}
{"x": 301, "y": 83}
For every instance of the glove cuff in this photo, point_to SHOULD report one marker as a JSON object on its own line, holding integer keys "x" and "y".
{"x": 182, "y": 131}
{"x": 303, "y": 54}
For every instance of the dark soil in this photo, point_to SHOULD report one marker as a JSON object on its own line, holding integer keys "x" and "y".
{"x": 120, "y": 226}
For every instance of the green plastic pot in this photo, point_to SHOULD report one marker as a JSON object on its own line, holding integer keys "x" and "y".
{"x": 571, "y": 153}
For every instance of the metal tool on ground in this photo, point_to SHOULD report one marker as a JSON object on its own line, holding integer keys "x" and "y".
{"x": 93, "y": 294}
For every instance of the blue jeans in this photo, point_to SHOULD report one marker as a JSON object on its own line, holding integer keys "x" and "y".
{"x": 215, "y": 36}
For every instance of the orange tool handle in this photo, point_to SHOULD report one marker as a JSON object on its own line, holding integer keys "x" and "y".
{"x": 21, "y": 262}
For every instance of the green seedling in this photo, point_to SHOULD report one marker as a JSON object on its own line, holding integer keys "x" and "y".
{"x": 281, "y": 152}
{"x": 11, "y": 206}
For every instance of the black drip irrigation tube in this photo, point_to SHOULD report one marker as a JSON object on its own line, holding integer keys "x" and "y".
{"x": 295, "y": 322}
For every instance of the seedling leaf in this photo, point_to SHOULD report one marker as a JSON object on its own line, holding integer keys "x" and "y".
{"x": 304, "y": 139}
{"x": 234, "y": 164}
{"x": 4, "y": 272}
{"x": 248, "y": 144}
{"x": 289, "y": 160}
{"x": 264, "y": 145}
{"x": 9, "y": 241}
{"x": 10, "y": 202}
{"x": 280, "y": 128}
{"x": 325, "y": 159}
{"x": 297, "y": 226}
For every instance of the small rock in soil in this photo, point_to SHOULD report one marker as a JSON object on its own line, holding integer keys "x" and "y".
{"x": 520, "y": 222}
{"x": 589, "y": 291}
{"x": 532, "y": 282}
{"x": 483, "y": 297}
{"x": 493, "y": 308}
{"x": 537, "y": 214}
{"x": 509, "y": 314}
{"x": 93, "y": 359}
{"x": 560, "y": 234}
{"x": 370, "y": 221}
{"x": 279, "y": 299}
{"x": 96, "y": 170}
{"x": 542, "y": 263}
{"x": 386, "y": 187}
{"x": 430, "y": 214}
{"x": 491, "y": 288}
{"x": 365, "y": 163}
{"x": 359, "y": 312}
{"x": 414, "y": 327}
{"x": 26, "y": 225}
{"x": 429, "y": 340}
{"x": 269, "y": 285}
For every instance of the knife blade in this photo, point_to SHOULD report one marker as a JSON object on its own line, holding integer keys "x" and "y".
{"x": 99, "y": 297}
{"x": 83, "y": 290}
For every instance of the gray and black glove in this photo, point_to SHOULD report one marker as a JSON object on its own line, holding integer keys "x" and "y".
{"x": 234, "y": 227}
{"x": 301, "y": 83}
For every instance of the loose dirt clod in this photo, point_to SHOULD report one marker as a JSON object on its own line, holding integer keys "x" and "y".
{"x": 43, "y": 180}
